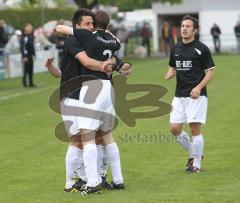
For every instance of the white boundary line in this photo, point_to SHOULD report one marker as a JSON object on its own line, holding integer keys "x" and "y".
{"x": 25, "y": 93}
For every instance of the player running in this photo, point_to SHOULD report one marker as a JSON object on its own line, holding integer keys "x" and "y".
{"x": 192, "y": 63}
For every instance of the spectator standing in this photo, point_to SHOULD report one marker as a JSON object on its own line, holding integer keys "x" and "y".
{"x": 13, "y": 44}
{"x": 58, "y": 40}
{"x": 167, "y": 38}
{"x": 237, "y": 34}
{"x": 122, "y": 35}
{"x": 28, "y": 52}
{"x": 3, "y": 39}
{"x": 215, "y": 32}
{"x": 146, "y": 34}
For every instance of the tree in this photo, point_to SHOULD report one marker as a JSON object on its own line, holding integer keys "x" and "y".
{"x": 123, "y": 4}
{"x": 86, "y": 3}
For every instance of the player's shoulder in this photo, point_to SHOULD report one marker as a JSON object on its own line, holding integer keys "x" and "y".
{"x": 177, "y": 47}
{"x": 70, "y": 40}
{"x": 201, "y": 45}
{"x": 179, "y": 44}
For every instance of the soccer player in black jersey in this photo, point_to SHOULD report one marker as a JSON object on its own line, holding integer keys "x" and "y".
{"x": 99, "y": 45}
{"x": 192, "y": 63}
{"x": 70, "y": 68}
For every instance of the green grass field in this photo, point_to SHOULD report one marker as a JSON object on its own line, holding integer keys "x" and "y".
{"x": 32, "y": 167}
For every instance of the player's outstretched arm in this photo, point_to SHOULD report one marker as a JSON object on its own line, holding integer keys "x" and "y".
{"x": 54, "y": 71}
{"x": 195, "y": 93}
{"x": 170, "y": 74}
{"x": 64, "y": 29}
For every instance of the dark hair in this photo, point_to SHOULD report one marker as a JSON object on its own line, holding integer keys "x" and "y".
{"x": 102, "y": 19}
{"x": 194, "y": 20}
{"x": 77, "y": 16}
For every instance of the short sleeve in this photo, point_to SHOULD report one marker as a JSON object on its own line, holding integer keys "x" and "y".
{"x": 75, "y": 47}
{"x": 207, "y": 59}
{"x": 81, "y": 35}
{"x": 172, "y": 59}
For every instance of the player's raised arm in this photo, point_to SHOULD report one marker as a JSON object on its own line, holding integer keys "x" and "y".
{"x": 64, "y": 29}
{"x": 53, "y": 70}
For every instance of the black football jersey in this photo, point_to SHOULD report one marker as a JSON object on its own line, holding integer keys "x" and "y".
{"x": 98, "y": 45}
{"x": 190, "y": 61}
{"x": 70, "y": 67}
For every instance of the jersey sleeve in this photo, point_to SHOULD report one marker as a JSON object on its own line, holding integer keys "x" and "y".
{"x": 172, "y": 59}
{"x": 75, "y": 47}
{"x": 207, "y": 59}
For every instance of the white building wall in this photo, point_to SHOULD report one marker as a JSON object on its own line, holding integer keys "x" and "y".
{"x": 226, "y": 20}
{"x": 188, "y": 6}
{"x": 223, "y": 12}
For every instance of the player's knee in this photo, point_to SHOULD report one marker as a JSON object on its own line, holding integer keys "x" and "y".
{"x": 107, "y": 138}
{"x": 195, "y": 128}
{"x": 175, "y": 130}
{"x": 98, "y": 140}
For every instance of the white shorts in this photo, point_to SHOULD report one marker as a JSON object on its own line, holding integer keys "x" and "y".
{"x": 96, "y": 101}
{"x": 186, "y": 109}
{"x": 68, "y": 115}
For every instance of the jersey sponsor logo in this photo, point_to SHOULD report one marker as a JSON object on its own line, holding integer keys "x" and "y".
{"x": 183, "y": 65}
{"x": 198, "y": 51}
{"x": 94, "y": 32}
{"x": 106, "y": 41}
{"x": 177, "y": 54}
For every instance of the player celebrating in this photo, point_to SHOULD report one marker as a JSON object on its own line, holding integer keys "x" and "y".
{"x": 192, "y": 63}
{"x": 70, "y": 69}
{"x": 98, "y": 45}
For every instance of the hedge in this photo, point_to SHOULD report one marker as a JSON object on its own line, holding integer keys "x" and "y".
{"x": 18, "y": 17}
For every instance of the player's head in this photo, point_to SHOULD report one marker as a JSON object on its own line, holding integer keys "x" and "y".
{"x": 28, "y": 28}
{"x": 189, "y": 27}
{"x": 102, "y": 20}
{"x": 83, "y": 18}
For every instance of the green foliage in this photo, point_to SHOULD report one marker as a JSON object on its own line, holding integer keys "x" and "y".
{"x": 18, "y": 17}
{"x": 125, "y": 5}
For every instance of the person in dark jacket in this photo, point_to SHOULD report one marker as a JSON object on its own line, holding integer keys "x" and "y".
{"x": 28, "y": 53}
{"x": 237, "y": 34}
{"x": 215, "y": 32}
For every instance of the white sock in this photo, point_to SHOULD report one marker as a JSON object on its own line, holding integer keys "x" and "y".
{"x": 99, "y": 161}
{"x": 197, "y": 149}
{"x": 105, "y": 163}
{"x": 90, "y": 163}
{"x": 81, "y": 170}
{"x": 114, "y": 159}
{"x": 73, "y": 156}
{"x": 184, "y": 140}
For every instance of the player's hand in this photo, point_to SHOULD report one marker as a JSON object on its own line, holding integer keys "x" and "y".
{"x": 48, "y": 62}
{"x": 24, "y": 59}
{"x": 126, "y": 69}
{"x": 170, "y": 74}
{"x": 195, "y": 93}
{"x": 107, "y": 66}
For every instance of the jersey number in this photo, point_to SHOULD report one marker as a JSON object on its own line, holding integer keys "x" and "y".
{"x": 108, "y": 53}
